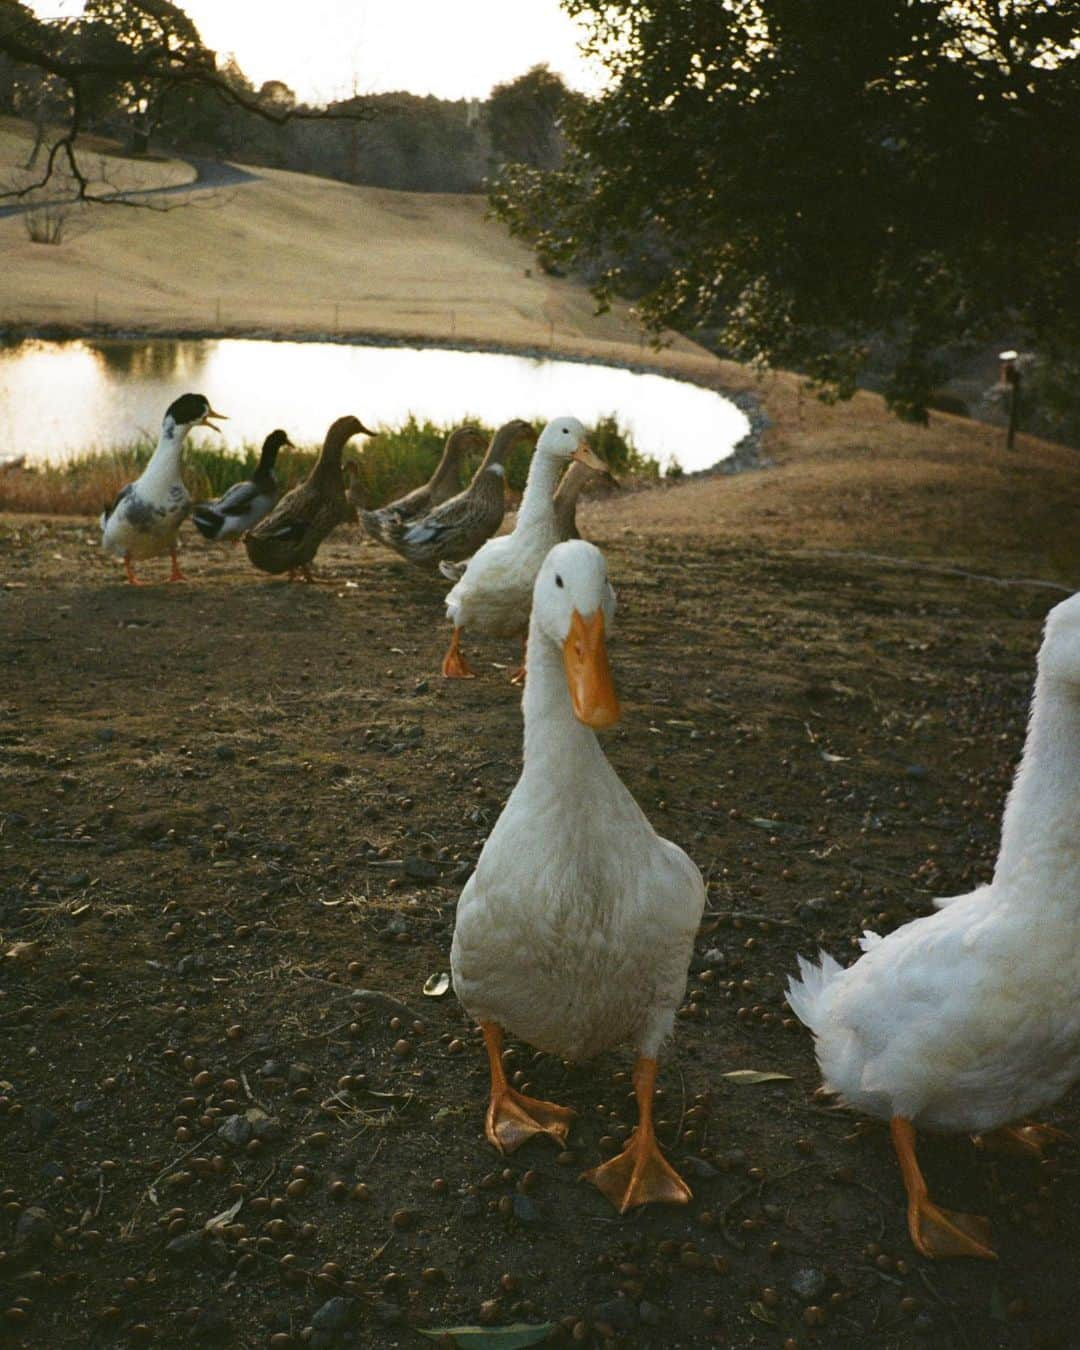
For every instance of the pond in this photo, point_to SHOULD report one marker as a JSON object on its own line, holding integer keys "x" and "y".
{"x": 58, "y": 399}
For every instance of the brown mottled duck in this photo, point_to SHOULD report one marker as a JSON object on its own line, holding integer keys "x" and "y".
{"x": 289, "y": 537}
{"x": 576, "y": 478}
{"x": 440, "y": 487}
{"x": 458, "y": 527}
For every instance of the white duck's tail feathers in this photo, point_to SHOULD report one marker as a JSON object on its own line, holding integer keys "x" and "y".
{"x": 453, "y": 571}
{"x": 944, "y": 901}
{"x": 806, "y": 993}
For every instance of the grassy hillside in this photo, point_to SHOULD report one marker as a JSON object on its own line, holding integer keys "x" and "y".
{"x": 293, "y": 253}
{"x": 852, "y": 477}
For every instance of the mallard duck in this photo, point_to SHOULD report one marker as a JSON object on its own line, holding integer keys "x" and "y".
{"x": 968, "y": 1020}
{"x": 440, "y": 487}
{"x": 289, "y": 537}
{"x": 458, "y": 527}
{"x": 245, "y": 503}
{"x": 576, "y": 478}
{"x": 576, "y": 930}
{"x": 146, "y": 516}
{"x": 495, "y": 592}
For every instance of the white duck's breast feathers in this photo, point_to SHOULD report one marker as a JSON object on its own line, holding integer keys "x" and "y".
{"x": 576, "y": 933}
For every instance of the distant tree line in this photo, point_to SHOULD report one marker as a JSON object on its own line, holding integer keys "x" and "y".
{"x": 138, "y": 70}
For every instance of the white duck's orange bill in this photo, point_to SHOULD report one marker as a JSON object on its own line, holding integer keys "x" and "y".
{"x": 585, "y": 454}
{"x": 588, "y": 675}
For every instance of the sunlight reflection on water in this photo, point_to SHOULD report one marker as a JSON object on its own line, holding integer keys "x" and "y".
{"x": 63, "y": 398}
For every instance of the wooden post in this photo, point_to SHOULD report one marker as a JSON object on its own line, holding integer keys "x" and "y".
{"x": 1010, "y": 375}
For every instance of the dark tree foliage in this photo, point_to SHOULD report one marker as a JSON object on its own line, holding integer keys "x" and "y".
{"x": 141, "y": 60}
{"x": 525, "y": 117}
{"x": 806, "y": 177}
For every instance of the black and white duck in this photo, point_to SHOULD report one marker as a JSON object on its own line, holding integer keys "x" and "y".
{"x": 244, "y": 504}
{"x": 145, "y": 518}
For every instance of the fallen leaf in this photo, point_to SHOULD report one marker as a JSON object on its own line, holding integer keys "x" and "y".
{"x": 750, "y": 1076}
{"x": 23, "y": 951}
{"x": 226, "y": 1216}
{"x": 773, "y": 826}
{"x": 437, "y": 985}
{"x": 511, "y": 1337}
{"x": 763, "y": 1314}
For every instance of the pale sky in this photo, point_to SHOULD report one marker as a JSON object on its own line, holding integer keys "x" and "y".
{"x": 325, "y": 49}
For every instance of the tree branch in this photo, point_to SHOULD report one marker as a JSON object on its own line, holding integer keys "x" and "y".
{"x": 158, "y": 65}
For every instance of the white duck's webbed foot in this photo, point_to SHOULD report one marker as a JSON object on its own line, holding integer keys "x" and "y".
{"x": 511, "y": 1117}
{"x": 937, "y": 1233}
{"x": 640, "y": 1175}
{"x": 1025, "y": 1141}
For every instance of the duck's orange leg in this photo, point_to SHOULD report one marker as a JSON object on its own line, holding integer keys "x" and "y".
{"x": 1026, "y": 1141}
{"x": 518, "y": 676}
{"x": 937, "y": 1233}
{"x": 175, "y": 574}
{"x": 129, "y": 568}
{"x": 454, "y": 665}
{"x": 640, "y": 1175}
{"x": 511, "y": 1117}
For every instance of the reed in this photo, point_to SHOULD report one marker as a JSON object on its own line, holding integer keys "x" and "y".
{"x": 388, "y": 464}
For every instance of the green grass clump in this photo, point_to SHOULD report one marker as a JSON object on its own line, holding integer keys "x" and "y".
{"x": 390, "y": 463}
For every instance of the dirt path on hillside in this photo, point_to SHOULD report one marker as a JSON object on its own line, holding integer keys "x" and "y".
{"x": 228, "y": 806}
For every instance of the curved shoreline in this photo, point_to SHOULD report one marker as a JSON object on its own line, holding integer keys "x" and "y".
{"x": 745, "y": 455}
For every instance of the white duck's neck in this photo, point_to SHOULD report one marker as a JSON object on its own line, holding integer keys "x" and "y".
{"x": 554, "y": 738}
{"x": 537, "y": 506}
{"x": 1040, "y": 840}
{"x": 163, "y": 468}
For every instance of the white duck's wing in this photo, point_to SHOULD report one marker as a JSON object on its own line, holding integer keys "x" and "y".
{"x": 109, "y": 511}
{"x": 944, "y": 901}
{"x": 961, "y": 1020}
{"x": 484, "y": 565}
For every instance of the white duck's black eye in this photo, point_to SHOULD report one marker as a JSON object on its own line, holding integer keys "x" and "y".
{"x": 558, "y": 580}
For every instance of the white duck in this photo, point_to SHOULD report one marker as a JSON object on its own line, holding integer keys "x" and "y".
{"x": 146, "y": 516}
{"x": 969, "y": 1019}
{"x": 494, "y": 594}
{"x": 576, "y": 929}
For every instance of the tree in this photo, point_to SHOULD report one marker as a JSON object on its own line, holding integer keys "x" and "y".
{"x": 805, "y": 177}
{"x": 115, "y": 29}
{"x": 524, "y": 118}
{"x": 136, "y": 56}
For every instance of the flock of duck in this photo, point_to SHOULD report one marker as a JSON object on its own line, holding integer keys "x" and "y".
{"x": 576, "y": 930}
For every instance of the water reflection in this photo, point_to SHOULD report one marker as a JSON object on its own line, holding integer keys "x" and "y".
{"x": 63, "y": 398}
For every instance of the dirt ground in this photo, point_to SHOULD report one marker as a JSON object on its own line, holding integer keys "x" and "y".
{"x": 236, "y": 816}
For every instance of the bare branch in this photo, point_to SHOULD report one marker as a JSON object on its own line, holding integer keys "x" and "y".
{"x": 158, "y": 65}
